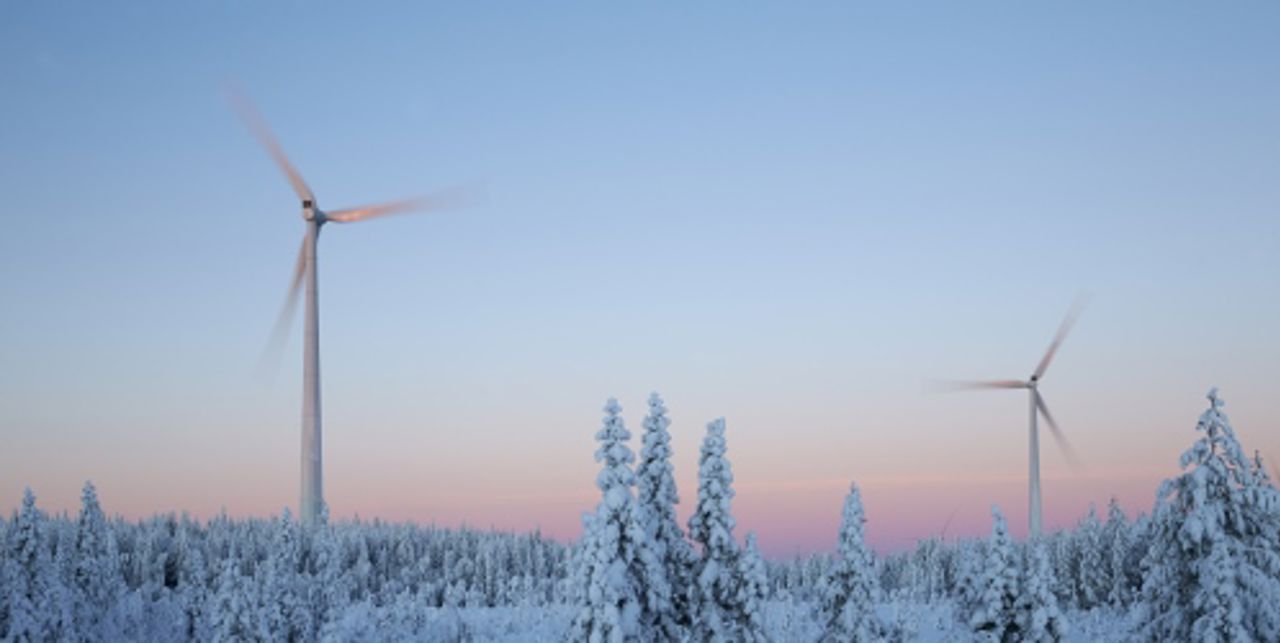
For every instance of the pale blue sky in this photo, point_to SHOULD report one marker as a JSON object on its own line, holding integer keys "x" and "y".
{"x": 790, "y": 216}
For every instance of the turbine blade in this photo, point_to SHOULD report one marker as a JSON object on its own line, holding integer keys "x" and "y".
{"x": 959, "y": 385}
{"x": 258, "y": 127}
{"x": 1067, "y": 323}
{"x": 1061, "y": 439}
{"x": 270, "y": 359}
{"x": 947, "y": 524}
{"x": 450, "y": 199}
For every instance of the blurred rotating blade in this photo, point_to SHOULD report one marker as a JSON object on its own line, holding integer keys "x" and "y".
{"x": 1061, "y": 439}
{"x": 961, "y": 385}
{"x": 450, "y": 199}
{"x": 270, "y": 359}
{"x": 1067, "y": 323}
{"x": 254, "y": 121}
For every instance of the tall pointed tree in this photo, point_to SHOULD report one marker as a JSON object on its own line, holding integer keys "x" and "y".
{"x": 625, "y": 593}
{"x": 656, "y": 500}
{"x": 28, "y": 574}
{"x": 97, "y": 582}
{"x": 1090, "y": 574}
{"x": 1213, "y": 566}
{"x": 1117, "y": 542}
{"x": 719, "y": 610}
{"x": 849, "y": 607}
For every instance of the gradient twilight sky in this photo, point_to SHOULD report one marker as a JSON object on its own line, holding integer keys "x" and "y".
{"x": 791, "y": 216}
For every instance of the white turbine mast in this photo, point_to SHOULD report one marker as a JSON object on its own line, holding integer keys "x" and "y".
{"x": 1038, "y": 408}
{"x": 311, "y": 501}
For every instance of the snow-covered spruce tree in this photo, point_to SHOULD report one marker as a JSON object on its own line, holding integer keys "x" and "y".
{"x": 28, "y": 573}
{"x": 849, "y": 607}
{"x": 656, "y": 500}
{"x": 97, "y": 583}
{"x": 995, "y": 618}
{"x": 1117, "y": 542}
{"x": 971, "y": 556}
{"x": 284, "y": 599}
{"x": 625, "y": 592}
{"x": 753, "y": 584}
{"x": 1090, "y": 576}
{"x": 193, "y": 586}
{"x": 720, "y": 612}
{"x": 928, "y": 569}
{"x": 329, "y": 589}
{"x": 61, "y": 596}
{"x": 1212, "y": 570}
{"x": 234, "y": 615}
{"x": 1039, "y": 619}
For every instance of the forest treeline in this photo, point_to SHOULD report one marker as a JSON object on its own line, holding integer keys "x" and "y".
{"x": 1204, "y": 564}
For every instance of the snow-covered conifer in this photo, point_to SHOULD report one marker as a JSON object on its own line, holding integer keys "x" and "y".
{"x": 753, "y": 589}
{"x": 1213, "y": 563}
{"x": 284, "y": 600}
{"x": 97, "y": 583}
{"x": 1090, "y": 574}
{"x": 717, "y": 608}
{"x": 329, "y": 587}
{"x": 233, "y": 616}
{"x": 656, "y": 500}
{"x": 849, "y": 607}
{"x": 1039, "y": 619}
{"x": 28, "y": 574}
{"x": 1116, "y": 543}
{"x": 995, "y": 618}
{"x": 625, "y": 593}
{"x": 971, "y": 558}
{"x": 193, "y": 587}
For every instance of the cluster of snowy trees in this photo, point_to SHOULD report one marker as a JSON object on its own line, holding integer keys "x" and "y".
{"x": 635, "y": 574}
{"x": 1203, "y": 566}
{"x": 172, "y": 578}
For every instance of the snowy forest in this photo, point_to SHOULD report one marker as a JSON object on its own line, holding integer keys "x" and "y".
{"x": 1202, "y": 565}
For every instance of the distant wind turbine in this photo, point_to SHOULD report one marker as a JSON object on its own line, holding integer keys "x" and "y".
{"x": 312, "y": 496}
{"x": 1038, "y": 408}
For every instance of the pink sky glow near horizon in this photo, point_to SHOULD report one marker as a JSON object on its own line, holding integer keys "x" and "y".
{"x": 791, "y": 511}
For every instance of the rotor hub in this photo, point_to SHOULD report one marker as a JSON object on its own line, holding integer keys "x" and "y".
{"x": 309, "y": 210}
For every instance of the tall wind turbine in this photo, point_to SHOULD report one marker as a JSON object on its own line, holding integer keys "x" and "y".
{"x": 311, "y": 502}
{"x": 1038, "y": 407}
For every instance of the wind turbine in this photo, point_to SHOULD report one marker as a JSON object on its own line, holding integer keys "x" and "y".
{"x": 311, "y": 501}
{"x": 1038, "y": 408}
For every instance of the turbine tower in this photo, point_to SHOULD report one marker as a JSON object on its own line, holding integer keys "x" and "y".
{"x": 311, "y": 501}
{"x": 1038, "y": 408}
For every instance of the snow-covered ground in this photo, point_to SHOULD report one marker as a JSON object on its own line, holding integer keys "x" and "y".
{"x": 785, "y": 621}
